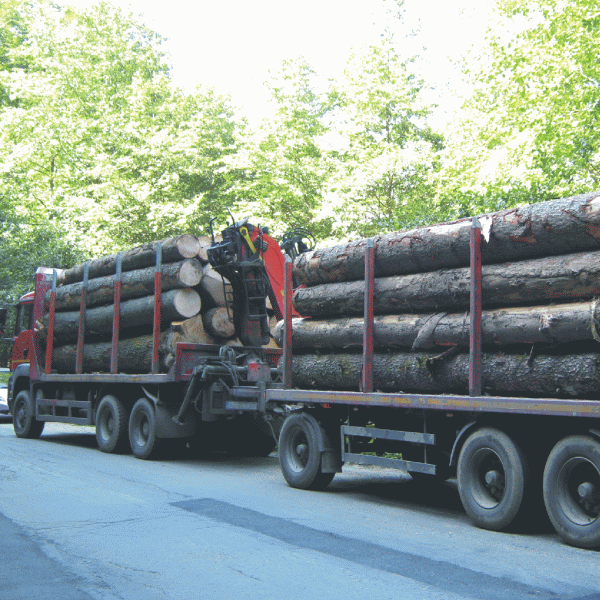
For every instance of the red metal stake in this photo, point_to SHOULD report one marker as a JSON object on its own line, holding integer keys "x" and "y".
{"x": 157, "y": 308}
{"x": 114, "y": 351}
{"x": 82, "y": 309}
{"x": 475, "y": 329}
{"x": 368, "y": 331}
{"x": 50, "y": 338}
{"x": 287, "y": 336}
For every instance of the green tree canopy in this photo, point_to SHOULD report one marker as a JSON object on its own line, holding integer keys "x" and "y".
{"x": 531, "y": 129}
{"x": 387, "y": 152}
{"x": 97, "y": 147}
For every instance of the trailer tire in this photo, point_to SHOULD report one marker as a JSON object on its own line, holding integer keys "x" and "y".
{"x": 299, "y": 454}
{"x": 142, "y": 430}
{"x": 111, "y": 425}
{"x": 491, "y": 478}
{"x": 24, "y": 421}
{"x": 572, "y": 490}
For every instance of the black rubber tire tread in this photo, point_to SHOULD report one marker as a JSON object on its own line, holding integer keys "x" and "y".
{"x": 570, "y": 451}
{"x": 111, "y": 437}
{"x": 25, "y": 424}
{"x": 302, "y": 473}
{"x": 142, "y": 430}
{"x": 489, "y": 512}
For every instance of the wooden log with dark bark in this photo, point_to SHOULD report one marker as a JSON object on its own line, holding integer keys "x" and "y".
{"x": 536, "y": 281}
{"x": 510, "y": 374}
{"x": 544, "y": 229}
{"x": 558, "y": 324}
{"x": 214, "y": 287}
{"x": 173, "y": 249}
{"x": 217, "y": 323}
{"x": 135, "y": 355}
{"x": 175, "y": 305}
{"x": 187, "y": 273}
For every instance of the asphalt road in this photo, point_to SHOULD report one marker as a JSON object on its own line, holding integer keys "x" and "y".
{"x": 78, "y": 524}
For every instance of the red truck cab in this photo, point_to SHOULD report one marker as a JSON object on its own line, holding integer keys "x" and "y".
{"x": 23, "y": 332}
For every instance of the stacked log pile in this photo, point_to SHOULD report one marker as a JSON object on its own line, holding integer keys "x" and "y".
{"x": 540, "y": 280}
{"x": 192, "y": 307}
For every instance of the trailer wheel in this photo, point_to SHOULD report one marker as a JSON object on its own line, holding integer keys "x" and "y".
{"x": 572, "y": 490}
{"x": 111, "y": 425}
{"x": 491, "y": 479}
{"x": 142, "y": 430}
{"x": 299, "y": 454}
{"x": 24, "y": 421}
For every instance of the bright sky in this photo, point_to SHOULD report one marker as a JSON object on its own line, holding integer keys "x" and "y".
{"x": 232, "y": 44}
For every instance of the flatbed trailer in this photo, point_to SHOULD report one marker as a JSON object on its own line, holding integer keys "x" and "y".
{"x": 514, "y": 458}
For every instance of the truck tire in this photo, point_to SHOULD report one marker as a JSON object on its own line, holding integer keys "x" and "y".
{"x": 111, "y": 425}
{"x": 24, "y": 422}
{"x": 142, "y": 430}
{"x": 491, "y": 478}
{"x": 299, "y": 454}
{"x": 572, "y": 490}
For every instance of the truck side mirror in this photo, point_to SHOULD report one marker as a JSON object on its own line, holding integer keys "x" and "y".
{"x": 3, "y": 314}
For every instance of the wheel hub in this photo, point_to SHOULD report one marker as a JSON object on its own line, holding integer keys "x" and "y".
{"x": 579, "y": 491}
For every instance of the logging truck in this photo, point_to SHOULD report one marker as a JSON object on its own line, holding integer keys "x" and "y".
{"x": 512, "y": 414}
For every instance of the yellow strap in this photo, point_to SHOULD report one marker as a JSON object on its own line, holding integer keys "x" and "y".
{"x": 244, "y": 233}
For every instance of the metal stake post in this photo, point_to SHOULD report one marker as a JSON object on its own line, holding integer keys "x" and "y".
{"x": 287, "y": 336}
{"x": 157, "y": 308}
{"x": 114, "y": 351}
{"x": 82, "y": 309}
{"x": 50, "y": 338}
{"x": 475, "y": 311}
{"x": 368, "y": 330}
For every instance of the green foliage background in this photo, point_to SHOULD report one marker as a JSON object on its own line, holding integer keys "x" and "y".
{"x": 100, "y": 151}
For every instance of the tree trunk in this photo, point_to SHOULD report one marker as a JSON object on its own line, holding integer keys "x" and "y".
{"x": 187, "y": 273}
{"x": 173, "y": 250}
{"x": 204, "y": 243}
{"x": 212, "y": 286}
{"x": 176, "y": 305}
{"x": 557, "y": 324}
{"x": 135, "y": 355}
{"x": 510, "y": 374}
{"x": 543, "y": 229}
{"x": 537, "y": 281}
{"x": 217, "y": 323}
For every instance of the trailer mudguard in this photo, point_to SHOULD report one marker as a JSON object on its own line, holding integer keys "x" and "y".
{"x": 330, "y": 455}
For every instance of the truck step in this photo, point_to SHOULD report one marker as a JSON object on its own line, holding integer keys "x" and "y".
{"x": 78, "y": 412}
{"x": 391, "y": 463}
{"x": 413, "y": 437}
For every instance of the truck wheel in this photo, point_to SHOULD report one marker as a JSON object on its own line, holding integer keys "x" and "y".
{"x": 111, "y": 425}
{"x": 24, "y": 422}
{"x": 491, "y": 479}
{"x": 299, "y": 455}
{"x": 572, "y": 490}
{"x": 142, "y": 430}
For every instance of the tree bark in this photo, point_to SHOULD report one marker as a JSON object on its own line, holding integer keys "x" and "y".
{"x": 557, "y": 324}
{"x": 510, "y": 374}
{"x": 187, "y": 273}
{"x": 212, "y": 286}
{"x": 173, "y": 249}
{"x": 176, "y": 305}
{"x": 537, "y": 281}
{"x": 217, "y": 323}
{"x": 134, "y": 356}
{"x": 543, "y": 229}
